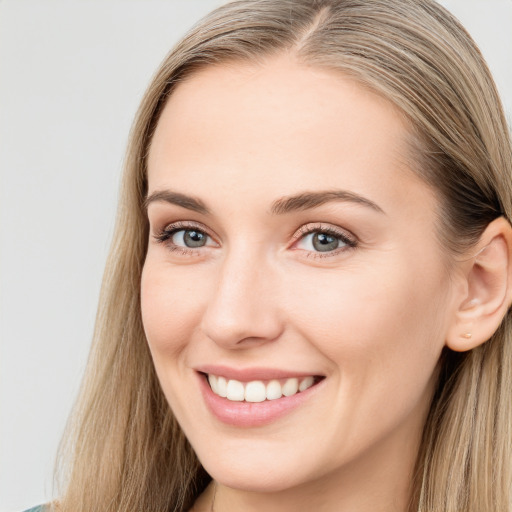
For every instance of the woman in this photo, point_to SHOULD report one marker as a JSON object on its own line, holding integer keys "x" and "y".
{"x": 307, "y": 300}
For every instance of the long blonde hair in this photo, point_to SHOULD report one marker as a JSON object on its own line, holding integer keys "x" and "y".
{"x": 123, "y": 450}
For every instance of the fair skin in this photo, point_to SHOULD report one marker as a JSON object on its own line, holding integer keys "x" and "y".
{"x": 352, "y": 289}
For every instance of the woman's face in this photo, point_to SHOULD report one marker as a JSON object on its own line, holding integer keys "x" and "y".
{"x": 291, "y": 245}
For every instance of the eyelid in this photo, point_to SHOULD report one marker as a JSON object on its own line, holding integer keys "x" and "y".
{"x": 186, "y": 224}
{"x": 314, "y": 227}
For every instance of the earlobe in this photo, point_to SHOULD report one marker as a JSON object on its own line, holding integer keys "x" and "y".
{"x": 488, "y": 289}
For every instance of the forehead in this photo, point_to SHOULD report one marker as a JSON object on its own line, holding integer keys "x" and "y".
{"x": 282, "y": 124}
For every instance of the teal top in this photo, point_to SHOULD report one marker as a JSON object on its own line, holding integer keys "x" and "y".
{"x": 39, "y": 508}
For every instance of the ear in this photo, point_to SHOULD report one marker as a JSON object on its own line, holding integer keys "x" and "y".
{"x": 487, "y": 289}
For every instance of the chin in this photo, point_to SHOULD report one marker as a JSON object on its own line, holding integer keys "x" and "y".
{"x": 262, "y": 471}
{"x": 251, "y": 480}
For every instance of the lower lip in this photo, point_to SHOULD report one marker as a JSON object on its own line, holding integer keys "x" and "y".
{"x": 253, "y": 414}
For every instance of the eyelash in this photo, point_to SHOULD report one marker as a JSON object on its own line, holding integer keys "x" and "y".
{"x": 343, "y": 236}
{"x": 166, "y": 234}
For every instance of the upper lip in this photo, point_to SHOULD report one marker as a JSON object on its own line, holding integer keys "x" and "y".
{"x": 249, "y": 374}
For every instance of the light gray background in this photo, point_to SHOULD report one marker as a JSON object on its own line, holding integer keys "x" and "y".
{"x": 71, "y": 75}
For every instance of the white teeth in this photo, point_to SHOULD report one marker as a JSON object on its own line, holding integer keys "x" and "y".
{"x": 274, "y": 390}
{"x": 222, "y": 387}
{"x": 256, "y": 390}
{"x": 212, "y": 379}
{"x": 306, "y": 383}
{"x": 235, "y": 391}
{"x": 291, "y": 386}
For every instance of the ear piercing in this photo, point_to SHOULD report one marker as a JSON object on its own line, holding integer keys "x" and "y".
{"x": 466, "y": 335}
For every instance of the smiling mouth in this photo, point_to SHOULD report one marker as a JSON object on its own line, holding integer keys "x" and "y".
{"x": 259, "y": 390}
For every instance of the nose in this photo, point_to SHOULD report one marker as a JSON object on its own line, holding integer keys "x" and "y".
{"x": 243, "y": 309}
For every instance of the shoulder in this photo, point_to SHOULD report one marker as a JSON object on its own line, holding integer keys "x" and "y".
{"x": 39, "y": 508}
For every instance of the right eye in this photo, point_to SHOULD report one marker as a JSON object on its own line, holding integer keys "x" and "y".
{"x": 190, "y": 238}
{"x": 186, "y": 239}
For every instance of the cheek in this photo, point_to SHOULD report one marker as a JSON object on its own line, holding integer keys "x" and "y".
{"x": 170, "y": 309}
{"x": 377, "y": 309}
{"x": 382, "y": 336}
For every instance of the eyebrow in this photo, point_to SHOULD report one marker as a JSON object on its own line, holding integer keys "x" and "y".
{"x": 298, "y": 202}
{"x": 308, "y": 200}
{"x": 168, "y": 196}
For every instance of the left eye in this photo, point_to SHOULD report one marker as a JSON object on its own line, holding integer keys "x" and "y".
{"x": 190, "y": 238}
{"x": 319, "y": 241}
